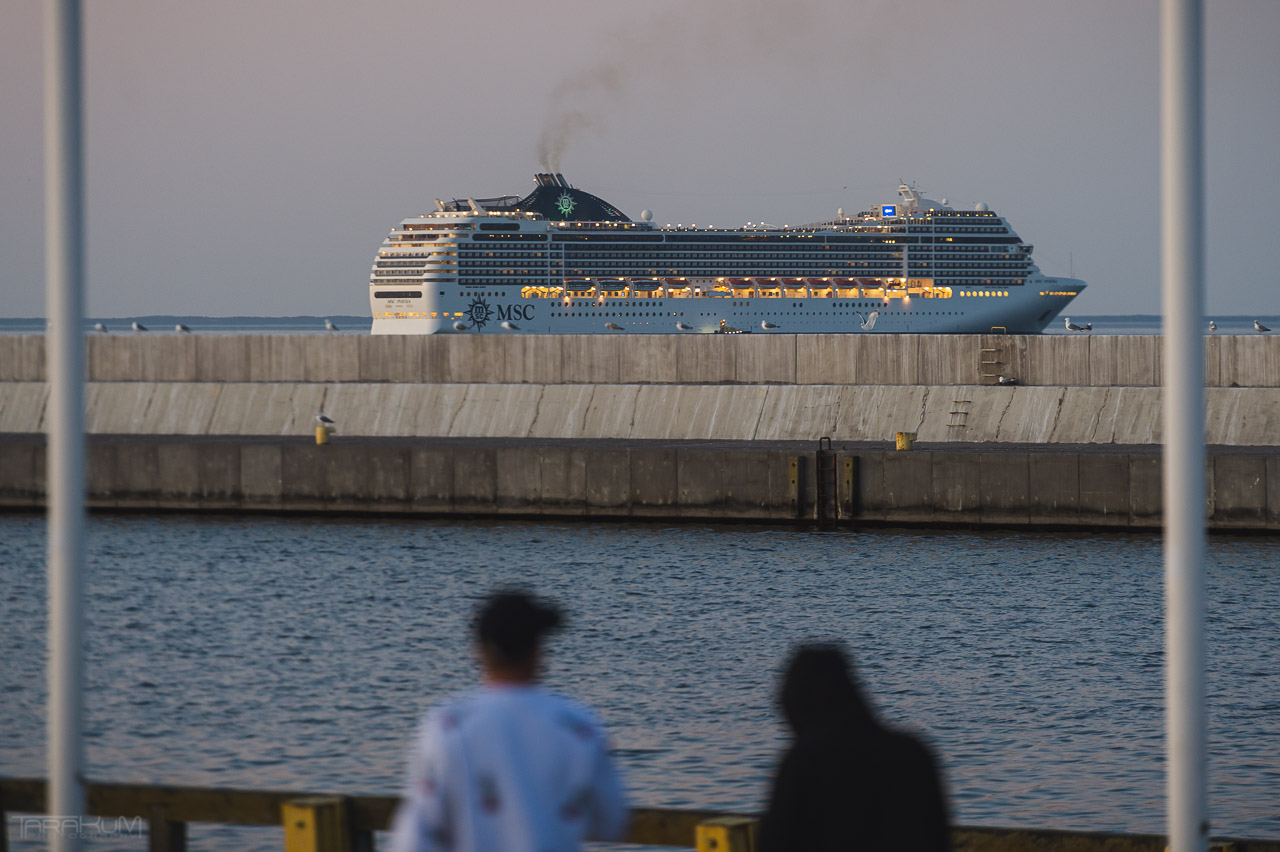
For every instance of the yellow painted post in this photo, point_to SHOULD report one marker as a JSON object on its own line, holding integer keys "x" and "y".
{"x": 322, "y": 435}
{"x": 317, "y": 824}
{"x": 905, "y": 439}
{"x": 726, "y": 834}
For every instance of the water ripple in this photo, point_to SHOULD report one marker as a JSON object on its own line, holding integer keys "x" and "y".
{"x": 299, "y": 653}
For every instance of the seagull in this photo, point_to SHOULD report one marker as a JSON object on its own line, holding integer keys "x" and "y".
{"x": 1213, "y": 327}
{"x": 1073, "y": 327}
{"x": 459, "y": 325}
{"x": 329, "y": 326}
{"x": 613, "y": 326}
{"x": 137, "y": 326}
{"x": 99, "y": 327}
{"x": 181, "y": 329}
{"x": 682, "y": 327}
{"x": 1261, "y": 329}
{"x": 868, "y": 322}
{"x": 324, "y": 419}
{"x": 1007, "y": 380}
{"x": 509, "y": 325}
{"x": 765, "y": 324}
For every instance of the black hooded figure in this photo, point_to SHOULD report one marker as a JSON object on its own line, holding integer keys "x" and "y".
{"x": 848, "y": 782}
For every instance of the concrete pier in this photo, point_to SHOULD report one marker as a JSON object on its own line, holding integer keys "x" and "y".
{"x": 1083, "y": 360}
{"x": 966, "y": 414}
{"x": 961, "y": 485}
{"x": 685, "y": 426}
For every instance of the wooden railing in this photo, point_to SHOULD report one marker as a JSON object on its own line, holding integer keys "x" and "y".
{"x": 319, "y": 822}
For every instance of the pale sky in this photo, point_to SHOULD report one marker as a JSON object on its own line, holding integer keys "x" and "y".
{"x": 247, "y": 158}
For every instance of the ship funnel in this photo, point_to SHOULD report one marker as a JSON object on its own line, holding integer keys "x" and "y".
{"x": 548, "y": 179}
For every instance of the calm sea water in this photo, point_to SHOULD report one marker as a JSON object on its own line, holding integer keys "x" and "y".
{"x": 299, "y": 653}
{"x": 1124, "y": 324}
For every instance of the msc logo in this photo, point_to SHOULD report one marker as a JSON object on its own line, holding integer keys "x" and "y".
{"x": 480, "y": 312}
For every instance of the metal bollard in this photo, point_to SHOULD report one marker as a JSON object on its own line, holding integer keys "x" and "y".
{"x": 726, "y": 834}
{"x": 905, "y": 440}
{"x": 322, "y": 435}
{"x": 318, "y": 824}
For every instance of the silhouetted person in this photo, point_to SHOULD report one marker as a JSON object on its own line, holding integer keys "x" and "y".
{"x": 510, "y": 767}
{"x": 848, "y": 782}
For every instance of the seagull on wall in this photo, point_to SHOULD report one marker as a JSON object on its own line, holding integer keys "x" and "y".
{"x": 100, "y": 328}
{"x": 509, "y": 325}
{"x": 613, "y": 326}
{"x": 459, "y": 325}
{"x": 181, "y": 329}
{"x": 137, "y": 326}
{"x": 324, "y": 419}
{"x": 868, "y": 322}
{"x": 1260, "y": 328}
{"x": 329, "y": 326}
{"x": 682, "y": 327}
{"x": 766, "y": 325}
{"x": 1213, "y": 327}
{"x": 1073, "y": 327}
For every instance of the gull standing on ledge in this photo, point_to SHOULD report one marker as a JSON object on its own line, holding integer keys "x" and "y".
{"x": 1073, "y": 327}
{"x": 765, "y": 324}
{"x": 181, "y": 329}
{"x": 509, "y": 325}
{"x": 137, "y": 326}
{"x": 1260, "y": 328}
{"x": 613, "y": 326}
{"x": 682, "y": 327}
{"x": 329, "y": 326}
{"x": 459, "y": 325}
{"x": 324, "y": 419}
{"x": 99, "y": 327}
{"x": 1213, "y": 327}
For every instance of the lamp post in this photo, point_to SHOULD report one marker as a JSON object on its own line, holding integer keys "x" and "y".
{"x": 64, "y": 276}
{"x": 1182, "y": 262}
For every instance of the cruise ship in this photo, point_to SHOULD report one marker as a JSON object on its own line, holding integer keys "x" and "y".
{"x": 563, "y": 261}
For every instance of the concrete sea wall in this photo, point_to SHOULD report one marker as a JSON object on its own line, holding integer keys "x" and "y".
{"x": 226, "y": 422}
{"x": 830, "y": 359}
{"x": 1022, "y": 488}
{"x": 1003, "y": 414}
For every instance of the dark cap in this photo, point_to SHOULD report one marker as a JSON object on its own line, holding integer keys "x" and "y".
{"x": 513, "y": 622}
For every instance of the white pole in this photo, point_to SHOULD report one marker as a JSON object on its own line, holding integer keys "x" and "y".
{"x": 64, "y": 271}
{"x": 1182, "y": 260}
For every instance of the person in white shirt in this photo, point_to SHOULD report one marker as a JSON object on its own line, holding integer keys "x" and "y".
{"x": 510, "y": 766}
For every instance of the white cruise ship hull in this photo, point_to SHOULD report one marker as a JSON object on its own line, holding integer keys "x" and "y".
{"x": 563, "y": 261}
{"x": 1025, "y": 311}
